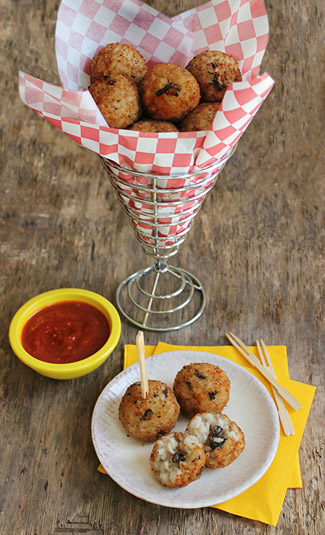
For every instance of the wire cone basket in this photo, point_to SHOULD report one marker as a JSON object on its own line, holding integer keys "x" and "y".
{"x": 161, "y": 210}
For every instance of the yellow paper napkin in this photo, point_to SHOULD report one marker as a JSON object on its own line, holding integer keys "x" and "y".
{"x": 263, "y": 501}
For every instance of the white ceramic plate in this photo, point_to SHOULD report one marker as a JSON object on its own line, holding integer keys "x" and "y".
{"x": 126, "y": 460}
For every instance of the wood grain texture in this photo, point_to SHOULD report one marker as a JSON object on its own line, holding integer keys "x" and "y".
{"x": 257, "y": 245}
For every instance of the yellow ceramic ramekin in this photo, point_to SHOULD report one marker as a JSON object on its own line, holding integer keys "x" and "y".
{"x": 74, "y": 369}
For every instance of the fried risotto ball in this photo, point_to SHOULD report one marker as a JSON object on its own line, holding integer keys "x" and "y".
{"x": 118, "y": 100}
{"x": 177, "y": 459}
{"x": 214, "y": 71}
{"x": 200, "y": 118}
{"x": 117, "y": 58}
{"x": 148, "y": 419}
{"x": 169, "y": 92}
{"x": 223, "y": 440}
{"x": 149, "y": 125}
{"x": 201, "y": 387}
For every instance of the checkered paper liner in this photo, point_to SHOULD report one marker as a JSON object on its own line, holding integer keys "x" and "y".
{"x": 236, "y": 27}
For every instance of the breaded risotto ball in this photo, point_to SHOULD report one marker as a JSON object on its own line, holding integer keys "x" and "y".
{"x": 169, "y": 92}
{"x": 214, "y": 71}
{"x": 223, "y": 440}
{"x": 201, "y": 387}
{"x": 117, "y": 58}
{"x": 177, "y": 459}
{"x": 149, "y": 125}
{"x": 201, "y": 118}
{"x": 118, "y": 100}
{"x": 147, "y": 419}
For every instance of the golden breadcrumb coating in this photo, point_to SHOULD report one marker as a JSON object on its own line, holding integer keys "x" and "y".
{"x": 117, "y": 58}
{"x": 214, "y": 71}
{"x": 200, "y": 118}
{"x": 147, "y": 419}
{"x": 201, "y": 387}
{"x": 118, "y": 100}
{"x": 150, "y": 125}
{"x": 169, "y": 92}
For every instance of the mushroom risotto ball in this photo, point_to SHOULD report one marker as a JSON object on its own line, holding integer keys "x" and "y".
{"x": 147, "y": 419}
{"x": 223, "y": 439}
{"x": 177, "y": 459}
{"x": 117, "y": 99}
{"x": 214, "y": 71}
{"x": 149, "y": 125}
{"x": 201, "y": 118}
{"x": 169, "y": 92}
{"x": 117, "y": 58}
{"x": 201, "y": 387}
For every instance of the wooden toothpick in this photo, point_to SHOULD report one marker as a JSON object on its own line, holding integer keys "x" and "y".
{"x": 141, "y": 357}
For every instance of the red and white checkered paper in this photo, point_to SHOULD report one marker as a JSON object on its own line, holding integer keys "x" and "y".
{"x": 236, "y": 27}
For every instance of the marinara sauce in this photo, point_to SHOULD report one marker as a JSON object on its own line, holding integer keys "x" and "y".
{"x": 65, "y": 332}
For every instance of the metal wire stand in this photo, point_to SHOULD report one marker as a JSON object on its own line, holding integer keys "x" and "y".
{"x": 161, "y": 210}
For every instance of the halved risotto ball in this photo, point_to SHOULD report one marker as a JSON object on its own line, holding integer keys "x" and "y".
{"x": 201, "y": 387}
{"x": 214, "y": 71}
{"x": 147, "y": 419}
{"x": 150, "y": 125}
{"x": 118, "y": 58}
{"x": 201, "y": 118}
{"x": 177, "y": 459}
{"x": 117, "y": 99}
{"x": 223, "y": 440}
{"x": 169, "y": 92}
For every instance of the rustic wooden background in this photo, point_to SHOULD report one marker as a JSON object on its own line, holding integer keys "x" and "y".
{"x": 257, "y": 245}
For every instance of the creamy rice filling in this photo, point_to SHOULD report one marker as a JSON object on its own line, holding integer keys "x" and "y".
{"x": 170, "y": 455}
{"x": 202, "y": 424}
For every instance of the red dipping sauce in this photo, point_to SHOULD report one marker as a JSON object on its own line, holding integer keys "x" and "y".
{"x": 65, "y": 332}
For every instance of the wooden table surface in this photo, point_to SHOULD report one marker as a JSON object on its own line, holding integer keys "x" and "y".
{"x": 257, "y": 245}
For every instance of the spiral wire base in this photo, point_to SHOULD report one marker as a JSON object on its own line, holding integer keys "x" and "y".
{"x": 165, "y": 311}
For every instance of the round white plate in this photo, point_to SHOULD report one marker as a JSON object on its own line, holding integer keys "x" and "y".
{"x": 126, "y": 460}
